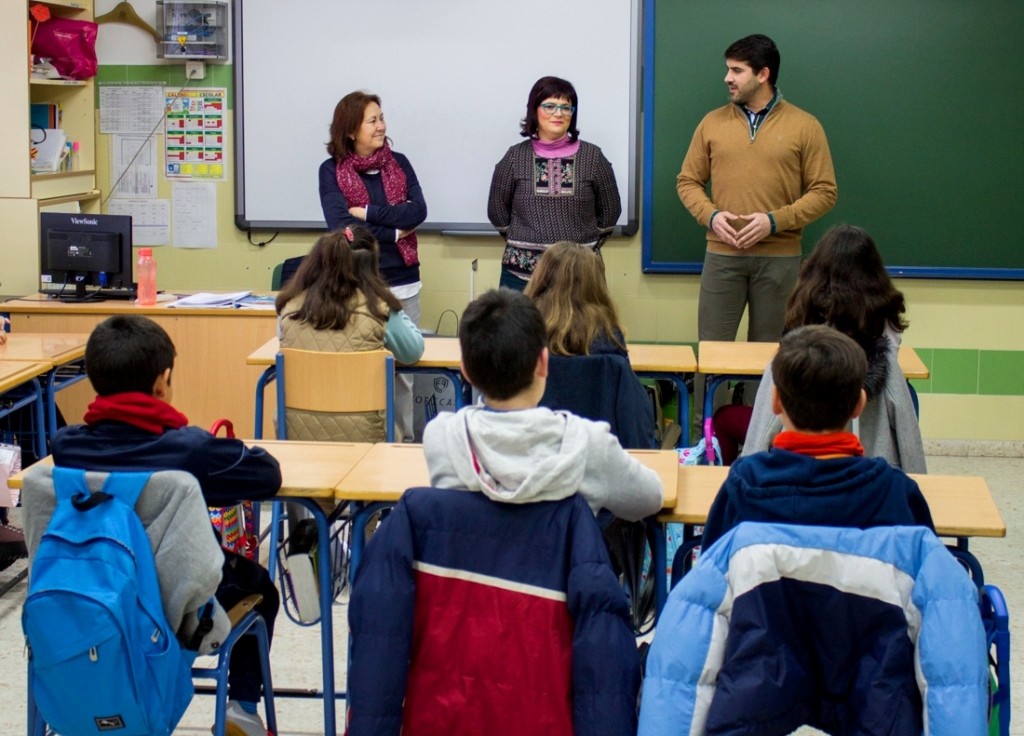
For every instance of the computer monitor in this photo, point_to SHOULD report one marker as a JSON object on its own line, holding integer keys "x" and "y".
{"x": 84, "y": 257}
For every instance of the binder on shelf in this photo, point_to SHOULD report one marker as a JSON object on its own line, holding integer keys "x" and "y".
{"x": 45, "y": 115}
{"x": 49, "y": 146}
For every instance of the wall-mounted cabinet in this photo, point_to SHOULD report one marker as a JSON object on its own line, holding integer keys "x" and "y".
{"x": 192, "y": 30}
{"x": 23, "y": 193}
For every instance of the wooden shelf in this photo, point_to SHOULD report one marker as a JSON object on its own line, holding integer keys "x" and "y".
{"x": 42, "y": 82}
{"x": 64, "y": 4}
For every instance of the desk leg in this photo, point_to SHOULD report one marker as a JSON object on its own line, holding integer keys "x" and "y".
{"x": 261, "y": 384}
{"x": 54, "y": 382}
{"x": 40, "y": 419}
{"x": 323, "y": 532}
{"x": 659, "y": 565}
{"x": 966, "y": 558}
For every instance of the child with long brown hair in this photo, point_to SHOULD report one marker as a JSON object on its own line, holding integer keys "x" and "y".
{"x": 844, "y": 284}
{"x": 339, "y": 302}
{"x": 569, "y": 288}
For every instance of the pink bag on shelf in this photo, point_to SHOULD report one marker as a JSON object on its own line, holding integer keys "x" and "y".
{"x": 70, "y": 45}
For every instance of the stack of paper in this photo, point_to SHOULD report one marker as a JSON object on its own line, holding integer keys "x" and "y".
{"x": 48, "y": 151}
{"x": 208, "y": 300}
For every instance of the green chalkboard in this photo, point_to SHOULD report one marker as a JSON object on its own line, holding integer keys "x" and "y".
{"x": 922, "y": 102}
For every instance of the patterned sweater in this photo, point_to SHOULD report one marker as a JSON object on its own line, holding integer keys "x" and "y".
{"x": 536, "y": 202}
{"x": 785, "y": 170}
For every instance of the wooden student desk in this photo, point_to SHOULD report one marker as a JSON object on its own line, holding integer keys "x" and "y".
{"x": 961, "y": 506}
{"x": 15, "y": 374}
{"x": 64, "y": 353}
{"x": 211, "y": 380}
{"x": 729, "y": 361}
{"x": 443, "y": 355}
{"x": 751, "y": 358}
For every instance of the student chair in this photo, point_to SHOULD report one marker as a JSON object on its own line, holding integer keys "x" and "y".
{"x": 863, "y": 631}
{"x": 327, "y": 396}
{"x": 996, "y": 619}
{"x": 495, "y": 618}
{"x": 283, "y": 272}
{"x": 178, "y": 500}
{"x": 244, "y": 622}
{"x": 603, "y": 388}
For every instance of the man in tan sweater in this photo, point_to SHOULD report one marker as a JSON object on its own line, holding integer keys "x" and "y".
{"x": 771, "y": 174}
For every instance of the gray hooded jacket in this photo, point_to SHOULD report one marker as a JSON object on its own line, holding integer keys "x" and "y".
{"x": 538, "y": 454}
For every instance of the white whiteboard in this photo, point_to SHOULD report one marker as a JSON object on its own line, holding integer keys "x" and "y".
{"x": 453, "y": 77}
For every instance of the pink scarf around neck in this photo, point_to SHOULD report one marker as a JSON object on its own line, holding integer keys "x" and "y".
{"x": 392, "y": 176}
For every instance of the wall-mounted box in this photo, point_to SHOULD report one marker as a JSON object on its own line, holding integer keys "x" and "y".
{"x": 192, "y": 30}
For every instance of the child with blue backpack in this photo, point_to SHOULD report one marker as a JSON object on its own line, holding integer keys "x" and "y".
{"x": 131, "y": 426}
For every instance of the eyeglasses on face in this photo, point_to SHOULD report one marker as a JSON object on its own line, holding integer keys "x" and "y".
{"x": 550, "y": 108}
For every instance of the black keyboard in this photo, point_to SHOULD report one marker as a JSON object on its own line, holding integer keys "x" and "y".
{"x": 68, "y": 293}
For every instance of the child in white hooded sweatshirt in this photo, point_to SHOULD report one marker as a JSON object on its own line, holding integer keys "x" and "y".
{"x": 511, "y": 449}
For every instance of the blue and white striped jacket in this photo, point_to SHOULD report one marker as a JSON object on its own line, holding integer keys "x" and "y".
{"x": 852, "y": 631}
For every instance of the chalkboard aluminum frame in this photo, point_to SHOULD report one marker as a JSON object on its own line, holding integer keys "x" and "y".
{"x": 629, "y": 184}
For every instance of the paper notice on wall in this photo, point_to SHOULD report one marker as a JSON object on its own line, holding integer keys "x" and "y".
{"x": 130, "y": 108}
{"x": 194, "y": 215}
{"x": 133, "y": 166}
{"x": 194, "y": 146}
{"x": 151, "y": 219}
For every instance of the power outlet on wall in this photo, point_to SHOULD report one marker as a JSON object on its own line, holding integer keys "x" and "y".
{"x": 195, "y": 70}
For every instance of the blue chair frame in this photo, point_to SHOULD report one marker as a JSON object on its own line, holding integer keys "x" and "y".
{"x": 277, "y": 517}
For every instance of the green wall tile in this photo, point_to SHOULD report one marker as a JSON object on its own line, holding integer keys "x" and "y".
{"x": 168, "y": 75}
{"x": 954, "y": 371}
{"x": 1001, "y": 372}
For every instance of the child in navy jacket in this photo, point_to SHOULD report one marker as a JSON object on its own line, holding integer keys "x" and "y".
{"x": 816, "y": 472}
{"x": 132, "y": 426}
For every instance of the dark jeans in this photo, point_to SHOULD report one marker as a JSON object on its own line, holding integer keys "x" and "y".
{"x": 241, "y": 578}
{"x": 510, "y": 281}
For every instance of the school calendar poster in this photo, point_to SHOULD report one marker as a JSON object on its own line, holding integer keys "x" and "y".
{"x": 194, "y": 133}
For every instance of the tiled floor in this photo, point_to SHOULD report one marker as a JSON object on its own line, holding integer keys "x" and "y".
{"x": 296, "y": 651}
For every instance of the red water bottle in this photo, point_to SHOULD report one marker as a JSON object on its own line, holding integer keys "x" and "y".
{"x": 147, "y": 278}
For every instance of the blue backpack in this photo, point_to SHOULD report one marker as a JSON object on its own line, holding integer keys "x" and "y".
{"x": 102, "y": 657}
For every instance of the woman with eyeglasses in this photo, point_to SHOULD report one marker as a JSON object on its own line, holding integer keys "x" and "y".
{"x": 551, "y": 187}
{"x": 367, "y": 184}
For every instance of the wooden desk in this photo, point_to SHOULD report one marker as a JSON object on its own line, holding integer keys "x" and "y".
{"x": 724, "y": 361}
{"x": 60, "y": 351}
{"x": 15, "y": 373}
{"x": 444, "y": 352}
{"x": 751, "y": 358}
{"x": 387, "y": 470}
{"x": 57, "y": 348}
{"x": 211, "y": 380}
{"x": 961, "y": 505}
{"x": 672, "y": 362}
{"x": 313, "y": 469}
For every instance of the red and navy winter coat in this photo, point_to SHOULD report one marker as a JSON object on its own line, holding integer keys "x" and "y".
{"x": 470, "y": 616}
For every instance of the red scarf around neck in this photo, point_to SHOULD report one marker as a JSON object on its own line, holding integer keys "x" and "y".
{"x": 820, "y": 445}
{"x": 140, "y": 410}
{"x": 392, "y": 176}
